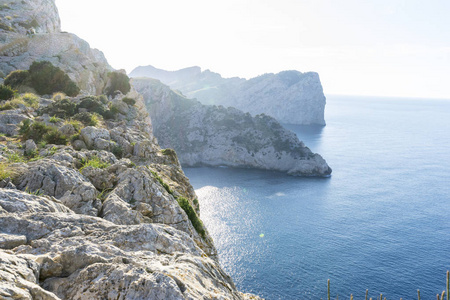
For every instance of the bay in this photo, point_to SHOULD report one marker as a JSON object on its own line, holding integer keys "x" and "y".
{"x": 380, "y": 222}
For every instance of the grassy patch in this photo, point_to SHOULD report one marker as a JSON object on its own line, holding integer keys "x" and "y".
{"x": 94, "y": 162}
{"x": 6, "y": 171}
{"x": 165, "y": 185}
{"x": 39, "y": 132}
{"x": 196, "y": 222}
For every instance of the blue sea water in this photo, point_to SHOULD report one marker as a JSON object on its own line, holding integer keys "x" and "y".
{"x": 380, "y": 222}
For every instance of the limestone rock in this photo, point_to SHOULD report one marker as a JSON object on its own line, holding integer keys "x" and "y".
{"x": 91, "y": 134}
{"x": 10, "y": 120}
{"x": 10, "y": 241}
{"x": 20, "y": 280}
{"x": 30, "y": 146}
{"x": 290, "y": 97}
{"x": 69, "y": 186}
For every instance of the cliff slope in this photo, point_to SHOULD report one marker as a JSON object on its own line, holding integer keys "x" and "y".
{"x": 98, "y": 212}
{"x": 290, "y": 97}
{"x": 214, "y": 135}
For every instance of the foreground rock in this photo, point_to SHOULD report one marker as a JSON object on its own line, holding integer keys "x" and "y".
{"x": 215, "y": 136}
{"x": 70, "y": 256}
{"x": 290, "y": 97}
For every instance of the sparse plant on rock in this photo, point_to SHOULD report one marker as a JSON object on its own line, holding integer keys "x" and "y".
{"x": 129, "y": 101}
{"x": 87, "y": 118}
{"x": 192, "y": 215}
{"x": 64, "y": 108}
{"x": 94, "y": 162}
{"x": 6, "y": 92}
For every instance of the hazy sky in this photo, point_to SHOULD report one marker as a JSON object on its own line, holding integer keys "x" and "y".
{"x": 358, "y": 47}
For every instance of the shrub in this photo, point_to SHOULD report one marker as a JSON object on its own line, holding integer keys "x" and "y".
{"x": 103, "y": 99}
{"x": 39, "y": 132}
{"x": 6, "y": 92}
{"x": 94, "y": 162}
{"x": 94, "y": 105}
{"x": 129, "y": 101}
{"x": 77, "y": 125}
{"x": 47, "y": 79}
{"x": 17, "y": 79}
{"x": 117, "y": 82}
{"x": 54, "y": 119}
{"x": 30, "y": 99}
{"x": 117, "y": 150}
{"x": 53, "y": 136}
{"x": 196, "y": 222}
{"x": 15, "y": 158}
{"x": 12, "y": 104}
{"x": 88, "y": 119}
{"x": 62, "y": 109}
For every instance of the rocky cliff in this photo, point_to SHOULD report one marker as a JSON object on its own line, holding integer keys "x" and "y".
{"x": 30, "y": 31}
{"x": 290, "y": 96}
{"x": 99, "y": 212}
{"x": 214, "y": 135}
{"x": 90, "y": 206}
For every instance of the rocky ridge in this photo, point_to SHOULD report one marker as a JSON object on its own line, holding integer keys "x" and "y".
{"x": 31, "y": 31}
{"x": 70, "y": 229}
{"x": 291, "y": 97}
{"x": 219, "y": 136}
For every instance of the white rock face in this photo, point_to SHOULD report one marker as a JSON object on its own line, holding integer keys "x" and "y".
{"x": 19, "y": 49}
{"x": 214, "y": 136}
{"x": 39, "y": 15}
{"x": 290, "y": 96}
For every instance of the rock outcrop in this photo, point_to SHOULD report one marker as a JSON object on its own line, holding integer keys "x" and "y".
{"x": 31, "y": 31}
{"x": 291, "y": 97}
{"x": 215, "y": 136}
{"x": 113, "y": 229}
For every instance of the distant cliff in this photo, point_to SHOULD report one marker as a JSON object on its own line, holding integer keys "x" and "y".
{"x": 290, "y": 97}
{"x": 215, "y": 135}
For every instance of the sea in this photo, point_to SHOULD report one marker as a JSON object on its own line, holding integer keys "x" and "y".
{"x": 380, "y": 223}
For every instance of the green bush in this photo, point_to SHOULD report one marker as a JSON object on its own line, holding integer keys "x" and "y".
{"x": 53, "y": 136}
{"x": 17, "y": 79}
{"x": 5, "y": 171}
{"x": 118, "y": 82}
{"x": 48, "y": 79}
{"x": 30, "y": 99}
{"x": 196, "y": 222}
{"x": 117, "y": 150}
{"x": 87, "y": 118}
{"x": 94, "y": 162}
{"x": 62, "y": 109}
{"x": 94, "y": 105}
{"x": 39, "y": 132}
{"x": 129, "y": 101}
{"x": 12, "y": 104}
{"x": 6, "y": 92}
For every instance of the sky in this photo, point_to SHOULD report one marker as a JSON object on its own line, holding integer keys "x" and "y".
{"x": 397, "y": 48}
